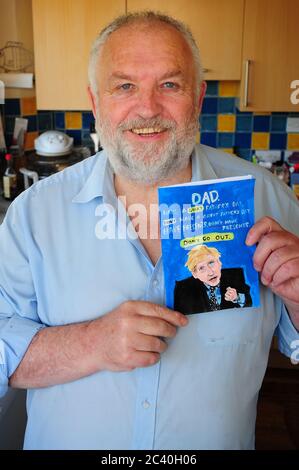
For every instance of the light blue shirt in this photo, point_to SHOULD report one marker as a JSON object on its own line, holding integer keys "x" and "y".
{"x": 54, "y": 270}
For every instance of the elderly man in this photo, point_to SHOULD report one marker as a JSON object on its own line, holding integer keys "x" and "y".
{"x": 83, "y": 325}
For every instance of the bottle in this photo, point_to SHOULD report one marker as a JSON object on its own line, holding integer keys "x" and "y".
{"x": 9, "y": 179}
{"x": 19, "y": 161}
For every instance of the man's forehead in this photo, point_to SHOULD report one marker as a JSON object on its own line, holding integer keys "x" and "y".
{"x": 136, "y": 37}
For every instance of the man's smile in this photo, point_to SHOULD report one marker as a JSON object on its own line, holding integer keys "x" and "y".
{"x": 148, "y": 133}
{"x": 147, "y": 130}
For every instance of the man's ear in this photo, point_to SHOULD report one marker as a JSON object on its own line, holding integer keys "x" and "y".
{"x": 93, "y": 101}
{"x": 203, "y": 89}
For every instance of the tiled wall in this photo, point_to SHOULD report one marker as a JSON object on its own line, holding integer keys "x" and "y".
{"x": 222, "y": 125}
{"x": 76, "y": 124}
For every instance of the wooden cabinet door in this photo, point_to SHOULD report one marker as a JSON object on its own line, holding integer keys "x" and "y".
{"x": 63, "y": 34}
{"x": 270, "y": 55}
{"x": 217, "y": 27}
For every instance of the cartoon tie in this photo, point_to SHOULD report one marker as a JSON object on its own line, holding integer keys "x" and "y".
{"x": 213, "y": 300}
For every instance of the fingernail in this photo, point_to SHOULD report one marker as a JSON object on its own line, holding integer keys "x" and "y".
{"x": 264, "y": 280}
{"x": 248, "y": 239}
{"x": 184, "y": 321}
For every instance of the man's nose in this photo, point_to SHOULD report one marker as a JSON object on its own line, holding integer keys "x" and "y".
{"x": 149, "y": 104}
{"x": 210, "y": 270}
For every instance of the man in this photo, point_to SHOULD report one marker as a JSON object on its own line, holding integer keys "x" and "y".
{"x": 83, "y": 323}
{"x": 210, "y": 287}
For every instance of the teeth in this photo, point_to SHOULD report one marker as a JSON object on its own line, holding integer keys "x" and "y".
{"x": 147, "y": 130}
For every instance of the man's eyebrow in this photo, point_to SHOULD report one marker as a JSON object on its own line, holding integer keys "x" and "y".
{"x": 172, "y": 74}
{"x": 124, "y": 76}
{"x": 120, "y": 76}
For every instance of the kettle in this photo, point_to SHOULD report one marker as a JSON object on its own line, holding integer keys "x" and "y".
{"x": 53, "y": 143}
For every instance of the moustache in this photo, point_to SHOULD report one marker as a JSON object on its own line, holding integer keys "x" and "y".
{"x": 147, "y": 123}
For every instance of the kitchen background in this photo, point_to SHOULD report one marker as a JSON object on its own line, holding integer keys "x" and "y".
{"x": 247, "y": 109}
{"x": 222, "y": 124}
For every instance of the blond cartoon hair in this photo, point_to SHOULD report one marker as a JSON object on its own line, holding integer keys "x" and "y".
{"x": 199, "y": 254}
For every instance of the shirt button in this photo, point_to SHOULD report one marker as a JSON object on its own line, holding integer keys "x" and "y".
{"x": 155, "y": 282}
{"x": 146, "y": 404}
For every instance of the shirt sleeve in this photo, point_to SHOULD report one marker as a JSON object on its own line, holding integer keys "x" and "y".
{"x": 241, "y": 299}
{"x": 19, "y": 320}
{"x": 288, "y": 336}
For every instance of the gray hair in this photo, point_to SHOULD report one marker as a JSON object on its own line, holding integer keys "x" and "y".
{"x": 140, "y": 17}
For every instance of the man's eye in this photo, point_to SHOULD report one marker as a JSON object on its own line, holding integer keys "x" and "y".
{"x": 211, "y": 263}
{"x": 169, "y": 85}
{"x": 126, "y": 86}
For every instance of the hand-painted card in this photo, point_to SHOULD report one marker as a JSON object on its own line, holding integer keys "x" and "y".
{"x": 203, "y": 226}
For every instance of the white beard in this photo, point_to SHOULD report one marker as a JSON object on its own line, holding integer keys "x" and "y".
{"x": 148, "y": 162}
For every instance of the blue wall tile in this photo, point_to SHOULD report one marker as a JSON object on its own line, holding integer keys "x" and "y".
{"x": 226, "y": 105}
{"x": 209, "y": 106}
{"x": 261, "y": 123}
{"x": 12, "y": 107}
{"x": 278, "y": 123}
{"x": 76, "y": 134}
{"x": 208, "y": 123}
{"x": 243, "y": 140}
{"x": 212, "y": 88}
{"x": 293, "y": 114}
{"x": 226, "y": 139}
{"x": 244, "y": 123}
{"x": 59, "y": 120}
{"x": 44, "y": 121}
{"x": 208, "y": 138}
{"x": 32, "y": 123}
{"x": 87, "y": 119}
{"x": 278, "y": 141}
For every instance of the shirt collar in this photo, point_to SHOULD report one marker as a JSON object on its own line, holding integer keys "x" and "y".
{"x": 99, "y": 183}
{"x": 201, "y": 167}
{"x": 208, "y": 286}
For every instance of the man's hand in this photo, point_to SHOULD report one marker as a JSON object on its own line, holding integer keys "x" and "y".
{"x": 231, "y": 294}
{"x": 277, "y": 259}
{"x": 133, "y": 335}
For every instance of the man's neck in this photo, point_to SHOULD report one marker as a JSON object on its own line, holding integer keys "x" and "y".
{"x": 146, "y": 223}
{"x": 135, "y": 192}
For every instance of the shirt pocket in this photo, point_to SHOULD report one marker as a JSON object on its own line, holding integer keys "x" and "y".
{"x": 237, "y": 326}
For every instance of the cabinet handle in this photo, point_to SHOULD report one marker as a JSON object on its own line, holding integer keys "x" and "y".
{"x": 206, "y": 70}
{"x": 247, "y": 63}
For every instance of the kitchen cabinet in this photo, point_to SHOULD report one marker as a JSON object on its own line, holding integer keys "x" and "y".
{"x": 63, "y": 32}
{"x": 270, "y": 55}
{"x": 217, "y": 26}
